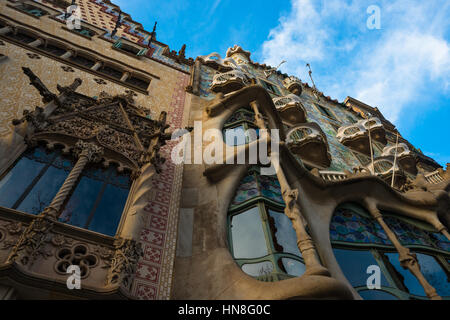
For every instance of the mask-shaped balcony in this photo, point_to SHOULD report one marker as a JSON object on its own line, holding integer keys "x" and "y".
{"x": 405, "y": 157}
{"x": 383, "y": 168}
{"x": 290, "y": 109}
{"x": 293, "y": 84}
{"x": 310, "y": 143}
{"x": 229, "y": 81}
{"x": 356, "y": 136}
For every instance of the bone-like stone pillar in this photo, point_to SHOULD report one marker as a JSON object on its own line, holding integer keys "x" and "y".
{"x": 292, "y": 210}
{"x": 407, "y": 259}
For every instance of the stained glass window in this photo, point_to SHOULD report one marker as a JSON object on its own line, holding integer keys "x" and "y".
{"x": 254, "y": 185}
{"x": 349, "y": 226}
{"x": 263, "y": 240}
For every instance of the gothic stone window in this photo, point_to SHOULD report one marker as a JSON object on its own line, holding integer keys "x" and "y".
{"x": 140, "y": 83}
{"x": 96, "y": 202}
{"x": 262, "y": 239}
{"x": 21, "y": 36}
{"x": 111, "y": 71}
{"x": 82, "y": 60}
{"x": 53, "y": 48}
{"x": 359, "y": 241}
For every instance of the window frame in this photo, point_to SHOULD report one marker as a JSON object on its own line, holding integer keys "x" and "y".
{"x": 263, "y": 206}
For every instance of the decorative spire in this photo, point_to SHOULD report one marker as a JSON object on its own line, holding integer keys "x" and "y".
{"x": 315, "y": 91}
{"x": 153, "y": 34}
{"x": 118, "y": 24}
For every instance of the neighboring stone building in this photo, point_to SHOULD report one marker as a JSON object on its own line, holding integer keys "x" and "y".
{"x": 87, "y": 179}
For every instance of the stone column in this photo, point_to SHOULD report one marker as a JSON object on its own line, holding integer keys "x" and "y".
{"x": 86, "y": 152}
{"x": 5, "y": 30}
{"x": 292, "y": 210}
{"x": 407, "y": 259}
{"x": 97, "y": 65}
{"x": 36, "y": 43}
{"x": 125, "y": 76}
{"x": 68, "y": 54}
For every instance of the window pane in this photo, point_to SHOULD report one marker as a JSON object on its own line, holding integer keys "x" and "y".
{"x": 247, "y": 235}
{"x": 407, "y": 278}
{"x": 79, "y": 207}
{"x": 376, "y": 295}
{"x": 434, "y": 274}
{"x": 258, "y": 269}
{"x": 354, "y": 265}
{"x": 44, "y": 191}
{"x": 109, "y": 211}
{"x": 17, "y": 180}
{"x": 292, "y": 267}
{"x": 283, "y": 234}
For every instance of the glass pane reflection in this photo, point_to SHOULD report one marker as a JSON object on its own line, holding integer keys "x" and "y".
{"x": 292, "y": 267}
{"x": 434, "y": 274}
{"x": 410, "y": 282}
{"x": 258, "y": 269}
{"x": 354, "y": 265}
{"x": 247, "y": 235}
{"x": 44, "y": 191}
{"x": 284, "y": 236}
{"x": 17, "y": 180}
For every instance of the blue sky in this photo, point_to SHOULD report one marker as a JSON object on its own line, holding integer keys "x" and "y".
{"x": 402, "y": 68}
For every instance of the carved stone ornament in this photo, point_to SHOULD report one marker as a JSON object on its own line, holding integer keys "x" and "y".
{"x": 123, "y": 265}
{"x": 113, "y": 123}
{"x": 32, "y": 242}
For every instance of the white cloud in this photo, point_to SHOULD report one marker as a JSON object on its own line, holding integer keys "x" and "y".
{"x": 387, "y": 68}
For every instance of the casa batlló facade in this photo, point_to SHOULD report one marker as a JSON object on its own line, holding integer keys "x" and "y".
{"x": 87, "y": 179}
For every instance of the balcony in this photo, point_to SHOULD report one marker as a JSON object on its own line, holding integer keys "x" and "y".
{"x": 293, "y": 84}
{"x": 290, "y": 109}
{"x": 383, "y": 167}
{"x": 229, "y": 81}
{"x": 310, "y": 143}
{"x": 333, "y": 175}
{"x": 356, "y": 136}
{"x": 405, "y": 157}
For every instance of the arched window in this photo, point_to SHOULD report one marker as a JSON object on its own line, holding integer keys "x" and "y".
{"x": 96, "y": 202}
{"x": 262, "y": 239}
{"x": 240, "y": 128}
{"x": 359, "y": 241}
